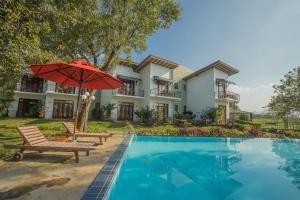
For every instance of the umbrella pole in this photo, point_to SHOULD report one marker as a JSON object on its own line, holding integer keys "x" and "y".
{"x": 77, "y": 111}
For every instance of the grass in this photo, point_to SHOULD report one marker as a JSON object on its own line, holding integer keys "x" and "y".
{"x": 9, "y": 134}
{"x": 268, "y": 123}
{"x": 50, "y": 127}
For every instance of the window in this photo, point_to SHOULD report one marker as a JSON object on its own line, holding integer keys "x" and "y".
{"x": 163, "y": 110}
{"x": 32, "y": 84}
{"x": 175, "y": 85}
{"x": 176, "y": 108}
{"x": 162, "y": 87}
{"x": 128, "y": 87}
{"x": 125, "y": 111}
{"x": 184, "y": 87}
{"x": 184, "y": 108}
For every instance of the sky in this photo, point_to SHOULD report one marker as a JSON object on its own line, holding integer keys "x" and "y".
{"x": 261, "y": 38}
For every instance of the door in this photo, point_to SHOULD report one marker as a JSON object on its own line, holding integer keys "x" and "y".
{"x": 221, "y": 90}
{"x": 125, "y": 111}
{"x": 128, "y": 87}
{"x": 63, "y": 109}
{"x": 28, "y": 107}
{"x": 163, "y": 110}
{"x": 163, "y": 88}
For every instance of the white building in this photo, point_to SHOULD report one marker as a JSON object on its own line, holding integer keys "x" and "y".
{"x": 155, "y": 82}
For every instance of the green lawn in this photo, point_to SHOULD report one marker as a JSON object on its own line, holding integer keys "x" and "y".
{"x": 9, "y": 134}
{"x": 268, "y": 123}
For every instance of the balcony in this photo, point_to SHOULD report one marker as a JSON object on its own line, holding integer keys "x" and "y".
{"x": 165, "y": 93}
{"x": 64, "y": 89}
{"x": 31, "y": 84}
{"x": 228, "y": 96}
{"x": 126, "y": 92}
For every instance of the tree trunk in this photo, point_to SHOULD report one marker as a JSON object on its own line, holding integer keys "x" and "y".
{"x": 86, "y": 108}
{"x": 286, "y": 122}
{"x": 85, "y": 112}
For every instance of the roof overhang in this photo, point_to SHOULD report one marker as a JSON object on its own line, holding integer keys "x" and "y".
{"x": 158, "y": 78}
{"x": 158, "y": 61}
{"x": 128, "y": 63}
{"x": 218, "y": 65}
{"x": 225, "y": 81}
{"x": 128, "y": 78}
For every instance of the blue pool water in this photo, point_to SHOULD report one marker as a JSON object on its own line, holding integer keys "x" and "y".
{"x": 172, "y": 168}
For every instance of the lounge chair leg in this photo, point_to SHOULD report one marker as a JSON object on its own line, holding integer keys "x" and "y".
{"x": 105, "y": 139}
{"x": 76, "y": 156}
{"x": 87, "y": 153}
{"x": 100, "y": 138}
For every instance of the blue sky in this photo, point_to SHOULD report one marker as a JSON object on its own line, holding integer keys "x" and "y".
{"x": 259, "y": 37}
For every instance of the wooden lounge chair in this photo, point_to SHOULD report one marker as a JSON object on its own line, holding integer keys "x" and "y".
{"x": 70, "y": 129}
{"x": 34, "y": 140}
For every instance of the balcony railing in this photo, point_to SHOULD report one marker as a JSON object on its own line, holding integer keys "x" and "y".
{"x": 228, "y": 95}
{"x": 165, "y": 93}
{"x": 34, "y": 88}
{"x": 64, "y": 89}
{"x": 124, "y": 91}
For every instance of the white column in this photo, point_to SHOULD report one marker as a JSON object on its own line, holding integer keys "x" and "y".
{"x": 49, "y": 107}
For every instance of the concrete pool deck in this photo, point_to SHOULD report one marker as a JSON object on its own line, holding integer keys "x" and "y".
{"x": 54, "y": 176}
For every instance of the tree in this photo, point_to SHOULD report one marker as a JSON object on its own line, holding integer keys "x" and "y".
{"x": 21, "y": 23}
{"x": 102, "y": 30}
{"x": 287, "y": 96}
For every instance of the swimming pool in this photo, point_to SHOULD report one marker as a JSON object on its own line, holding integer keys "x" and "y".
{"x": 208, "y": 168}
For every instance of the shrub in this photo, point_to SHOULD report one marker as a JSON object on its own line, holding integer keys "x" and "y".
{"x": 145, "y": 115}
{"x": 254, "y": 132}
{"x": 211, "y": 115}
{"x": 244, "y": 117}
{"x": 108, "y": 110}
{"x": 253, "y": 124}
{"x": 182, "y": 123}
{"x": 240, "y": 127}
{"x": 217, "y": 131}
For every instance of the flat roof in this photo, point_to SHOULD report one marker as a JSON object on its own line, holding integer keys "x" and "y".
{"x": 220, "y": 65}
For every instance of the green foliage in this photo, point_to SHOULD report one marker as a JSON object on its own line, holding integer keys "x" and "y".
{"x": 182, "y": 123}
{"x": 211, "y": 115}
{"x": 286, "y": 99}
{"x": 21, "y": 25}
{"x": 108, "y": 110}
{"x": 146, "y": 115}
{"x": 250, "y": 123}
{"x": 244, "y": 117}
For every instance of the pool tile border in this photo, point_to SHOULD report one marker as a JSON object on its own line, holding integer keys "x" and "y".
{"x": 100, "y": 186}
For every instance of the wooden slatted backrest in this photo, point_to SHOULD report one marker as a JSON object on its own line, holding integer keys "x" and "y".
{"x": 70, "y": 128}
{"x": 31, "y": 135}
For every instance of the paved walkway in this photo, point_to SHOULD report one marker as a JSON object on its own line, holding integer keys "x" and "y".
{"x": 43, "y": 176}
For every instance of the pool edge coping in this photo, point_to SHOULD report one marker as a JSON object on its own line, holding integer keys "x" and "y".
{"x": 100, "y": 186}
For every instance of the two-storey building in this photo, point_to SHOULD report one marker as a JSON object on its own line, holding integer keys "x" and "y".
{"x": 155, "y": 82}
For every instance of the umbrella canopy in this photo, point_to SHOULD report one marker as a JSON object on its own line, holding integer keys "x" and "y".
{"x": 77, "y": 74}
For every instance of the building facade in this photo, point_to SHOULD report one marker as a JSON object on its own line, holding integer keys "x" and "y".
{"x": 155, "y": 82}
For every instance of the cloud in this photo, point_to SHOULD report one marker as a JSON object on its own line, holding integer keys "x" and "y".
{"x": 253, "y": 99}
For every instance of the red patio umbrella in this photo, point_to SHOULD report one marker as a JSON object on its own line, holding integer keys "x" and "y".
{"x": 77, "y": 74}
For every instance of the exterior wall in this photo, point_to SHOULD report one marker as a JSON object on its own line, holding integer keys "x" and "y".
{"x": 47, "y": 98}
{"x": 154, "y": 101}
{"x": 138, "y": 104}
{"x": 218, "y": 74}
{"x": 146, "y": 79}
{"x": 12, "y": 111}
{"x": 198, "y": 96}
{"x": 200, "y": 92}
{"x": 178, "y": 74}
{"x": 156, "y": 70}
